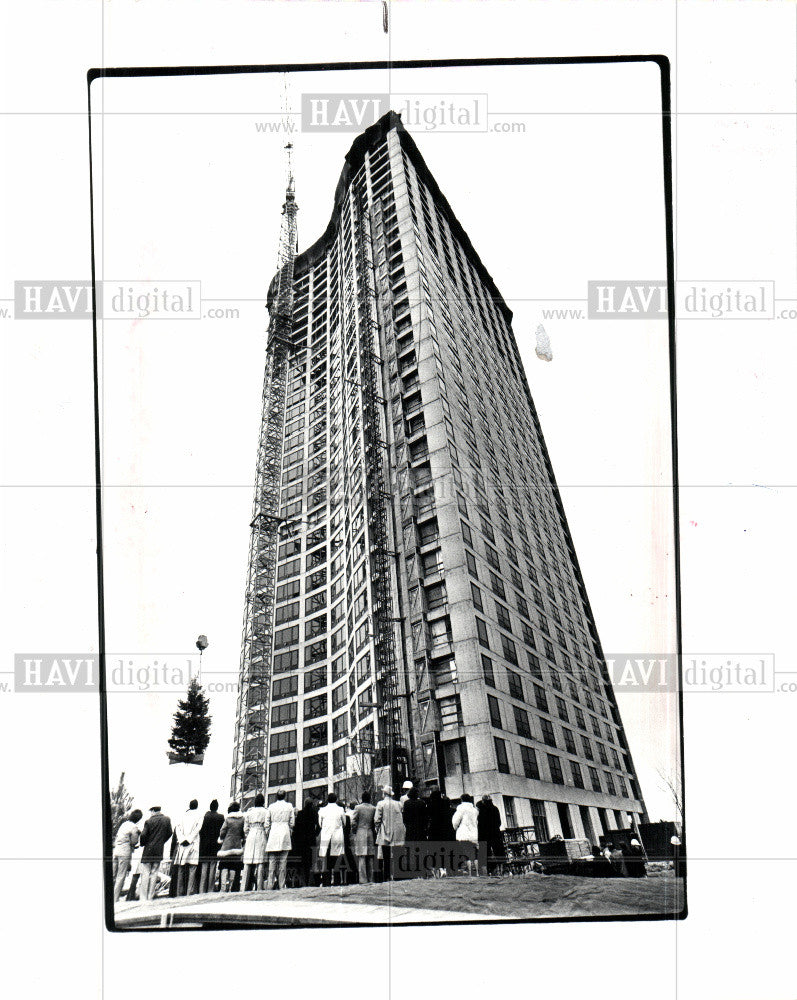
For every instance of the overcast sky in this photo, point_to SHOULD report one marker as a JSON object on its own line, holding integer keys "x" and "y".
{"x": 188, "y": 189}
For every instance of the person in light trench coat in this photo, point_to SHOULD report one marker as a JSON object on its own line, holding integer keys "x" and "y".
{"x": 364, "y": 841}
{"x": 280, "y": 817}
{"x": 390, "y": 831}
{"x": 331, "y": 841}
{"x": 186, "y": 832}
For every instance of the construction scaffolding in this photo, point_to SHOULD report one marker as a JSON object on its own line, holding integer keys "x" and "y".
{"x": 254, "y": 685}
{"x": 388, "y": 749}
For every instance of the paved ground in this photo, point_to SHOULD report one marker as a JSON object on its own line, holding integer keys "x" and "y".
{"x": 420, "y": 901}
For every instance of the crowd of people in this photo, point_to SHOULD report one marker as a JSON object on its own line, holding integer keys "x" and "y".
{"x": 333, "y": 842}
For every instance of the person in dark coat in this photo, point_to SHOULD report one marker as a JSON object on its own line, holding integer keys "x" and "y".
{"x": 439, "y": 813}
{"x": 489, "y": 827}
{"x": 231, "y": 849}
{"x": 415, "y": 817}
{"x": 305, "y": 831}
{"x": 635, "y": 860}
{"x": 157, "y": 830}
{"x": 212, "y": 823}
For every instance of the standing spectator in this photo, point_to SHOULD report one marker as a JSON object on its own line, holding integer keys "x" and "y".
{"x": 135, "y": 873}
{"x": 466, "y": 820}
{"x": 280, "y": 817}
{"x": 187, "y": 859}
{"x": 415, "y": 817}
{"x": 230, "y": 853}
{"x": 209, "y": 847}
{"x": 331, "y": 819}
{"x": 489, "y": 828}
{"x": 405, "y": 789}
{"x": 390, "y": 832}
{"x": 156, "y": 832}
{"x": 364, "y": 842}
{"x": 466, "y": 824}
{"x": 255, "y": 847}
{"x": 635, "y": 860}
{"x": 174, "y": 871}
{"x": 305, "y": 832}
{"x": 618, "y": 861}
{"x": 348, "y": 851}
{"x": 440, "y": 812}
{"x": 124, "y": 844}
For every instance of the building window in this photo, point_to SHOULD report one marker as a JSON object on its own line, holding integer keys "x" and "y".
{"x": 594, "y": 779}
{"x": 481, "y": 629}
{"x": 501, "y": 755}
{"x": 315, "y": 767}
{"x": 548, "y": 734}
{"x": 522, "y": 722}
{"x": 338, "y": 697}
{"x": 432, "y": 563}
{"x": 540, "y": 821}
{"x": 315, "y": 736}
{"x": 509, "y": 812}
{"x": 540, "y": 698}
{"x": 502, "y": 614}
{"x": 315, "y": 707}
{"x": 495, "y": 712}
{"x": 570, "y": 743}
{"x": 529, "y": 758}
{"x": 497, "y": 585}
{"x": 436, "y": 596}
{"x": 340, "y": 727}
{"x": 315, "y": 627}
{"x": 315, "y": 652}
{"x": 450, "y": 712}
{"x": 440, "y": 633}
{"x": 487, "y": 669}
{"x": 285, "y": 687}
{"x": 471, "y": 564}
{"x": 515, "y": 685}
{"x": 282, "y": 715}
{"x": 555, "y": 767}
{"x": 609, "y": 782}
{"x": 284, "y": 742}
{"x": 561, "y": 710}
{"x": 509, "y": 650}
{"x": 282, "y": 772}
{"x": 492, "y": 557}
{"x": 477, "y": 597}
{"x": 286, "y": 613}
{"x": 575, "y": 770}
{"x": 286, "y": 637}
{"x": 315, "y": 679}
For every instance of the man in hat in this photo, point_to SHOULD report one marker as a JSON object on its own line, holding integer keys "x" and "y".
{"x": 405, "y": 788}
{"x": 157, "y": 830}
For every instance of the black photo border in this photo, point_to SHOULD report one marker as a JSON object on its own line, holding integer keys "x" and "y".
{"x": 171, "y": 71}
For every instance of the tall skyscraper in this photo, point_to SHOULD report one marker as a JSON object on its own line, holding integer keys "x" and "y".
{"x": 414, "y": 602}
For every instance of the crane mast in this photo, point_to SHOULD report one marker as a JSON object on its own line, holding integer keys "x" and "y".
{"x": 254, "y": 686}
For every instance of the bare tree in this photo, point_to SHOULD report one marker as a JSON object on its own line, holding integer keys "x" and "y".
{"x": 675, "y": 790}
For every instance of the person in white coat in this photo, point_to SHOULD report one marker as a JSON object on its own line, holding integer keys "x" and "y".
{"x": 331, "y": 843}
{"x": 187, "y": 858}
{"x": 466, "y": 825}
{"x": 280, "y": 817}
{"x": 466, "y": 820}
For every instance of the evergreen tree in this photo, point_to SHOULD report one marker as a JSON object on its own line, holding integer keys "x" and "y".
{"x": 191, "y": 726}
{"x": 121, "y": 800}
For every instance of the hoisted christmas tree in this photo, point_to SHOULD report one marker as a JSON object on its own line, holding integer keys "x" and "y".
{"x": 191, "y": 727}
